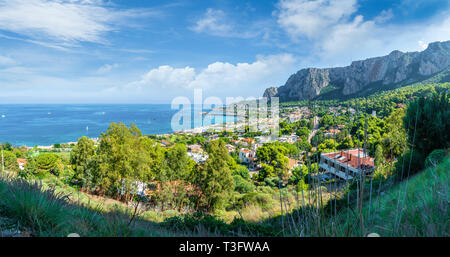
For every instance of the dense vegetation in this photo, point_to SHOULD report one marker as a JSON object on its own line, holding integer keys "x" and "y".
{"x": 408, "y": 134}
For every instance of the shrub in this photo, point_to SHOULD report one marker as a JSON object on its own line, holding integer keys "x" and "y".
{"x": 302, "y": 186}
{"x": 265, "y": 189}
{"x": 34, "y": 207}
{"x": 242, "y": 186}
{"x": 410, "y": 163}
{"x": 193, "y": 221}
{"x": 273, "y": 182}
{"x": 261, "y": 199}
{"x": 435, "y": 157}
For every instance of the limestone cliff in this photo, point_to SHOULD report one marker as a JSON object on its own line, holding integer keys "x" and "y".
{"x": 397, "y": 69}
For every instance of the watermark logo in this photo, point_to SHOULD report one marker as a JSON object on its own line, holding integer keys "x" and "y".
{"x": 237, "y": 114}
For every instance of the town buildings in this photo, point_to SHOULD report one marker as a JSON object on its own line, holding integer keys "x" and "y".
{"x": 347, "y": 164}
{"x": 248, "y": 156}
{"x": 196, "y": 153}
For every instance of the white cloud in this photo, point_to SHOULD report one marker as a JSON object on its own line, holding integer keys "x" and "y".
{"x": 68, "y": 21}
{"x": 166, "y": 77}
{"x": 107, "y": 68}
{"x": 216, "y": 23}
{"x": 384, "y": 16}
{"x": 221, "y": 77}
{"x": 339, "y": 35}
{"x": 212, "y": 22}
{"x": 305, "y": 18}
{"x": 7, "y": 61}
{"x": 361, "y": 39}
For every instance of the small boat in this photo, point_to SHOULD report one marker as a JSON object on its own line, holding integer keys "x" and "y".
{"x": 3, "y": 115}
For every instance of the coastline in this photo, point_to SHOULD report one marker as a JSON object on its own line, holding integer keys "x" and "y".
{"x": 222, "y": 126}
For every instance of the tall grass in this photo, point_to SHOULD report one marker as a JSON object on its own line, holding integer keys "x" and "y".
{"x": 422, "y": 210}
{"x": 43, "y": 212}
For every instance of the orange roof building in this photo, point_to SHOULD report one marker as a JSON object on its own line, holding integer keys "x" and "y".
{"x": 347, "y": 164}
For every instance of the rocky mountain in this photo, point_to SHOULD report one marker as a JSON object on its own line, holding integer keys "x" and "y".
{"x": 393, "y": 70}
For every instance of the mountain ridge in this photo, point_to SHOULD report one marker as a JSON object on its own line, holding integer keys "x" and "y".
{"x": 397, "y": 68}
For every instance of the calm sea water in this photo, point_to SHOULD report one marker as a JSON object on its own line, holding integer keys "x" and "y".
{"x": 49, "y": 124}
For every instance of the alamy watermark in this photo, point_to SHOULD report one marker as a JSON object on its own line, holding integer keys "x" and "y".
{"x": 247, "y": 114}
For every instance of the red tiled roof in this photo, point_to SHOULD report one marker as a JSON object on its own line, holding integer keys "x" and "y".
{"x": 351, "y": 158}
{"x": 292, "y": 163}
{"x": 24, "y": 161}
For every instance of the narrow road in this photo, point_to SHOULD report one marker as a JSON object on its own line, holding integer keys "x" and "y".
{"x": 315, "y": 129}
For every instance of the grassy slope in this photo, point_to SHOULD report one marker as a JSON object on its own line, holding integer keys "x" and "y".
{"x": 422, "y": 211}
{"x": 43, "y": 211}
{"x": 414, "y": 207}
{"x": 423, "y": 201}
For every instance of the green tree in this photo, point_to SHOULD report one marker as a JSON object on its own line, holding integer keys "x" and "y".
{"x": 125, "y": 159}
{"x": 298, "y": 174}
{"x": 242, "y": 171}
{"x": 242, "y": 185}
{"x": 327, "y": 146}
{"x": 10, "y": 161}
{"x": 173, "y": 177}
{"x": 80, "y": 156}
{"x": 394, "y": 140}
{"x": 214, "y": 178}
{"x": 346, "y": 143}
{"x": 274, "y": 161}
{"x": 379, "y": 156}
{"x": 427, "y": 122}
{"x": 6, "y": 146}
{"x": 178, "y": 162}
{"x": 48, "y": 163}
{"x": 303, "y": 132}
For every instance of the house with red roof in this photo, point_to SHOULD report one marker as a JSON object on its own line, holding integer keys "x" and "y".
{"x": 347, "y": 164}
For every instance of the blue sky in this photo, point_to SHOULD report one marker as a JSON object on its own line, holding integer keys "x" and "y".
{"x": 148, "y": 51}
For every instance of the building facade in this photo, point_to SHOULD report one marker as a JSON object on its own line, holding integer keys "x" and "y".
{"x": 347, "y": 164}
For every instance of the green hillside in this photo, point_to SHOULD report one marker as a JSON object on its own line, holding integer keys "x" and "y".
{"x": 414, "y": 207}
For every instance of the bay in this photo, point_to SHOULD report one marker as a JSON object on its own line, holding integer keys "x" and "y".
{"x": 47, "y": 124}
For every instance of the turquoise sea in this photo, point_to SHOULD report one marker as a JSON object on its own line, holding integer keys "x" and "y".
{"x": 49, "y": 124}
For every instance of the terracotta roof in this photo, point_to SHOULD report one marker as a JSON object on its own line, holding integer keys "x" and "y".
{"x": 332, "y": 131}
{"x": 24, "y": 161}
{"x": 350, "y": 158}
{"x": 292, "y": 163}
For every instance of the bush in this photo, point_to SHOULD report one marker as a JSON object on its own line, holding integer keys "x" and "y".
{"x": 261, "y": 199}
{"x": 198, "y": 220}
{"x": 265, "y": 189}
{"x": 410, "y": 163}
{"x": 242, "y": 186}
{"x": 33, "y": 206}
{"x": 273, "y": 182}
{"x": 435, "y": 157}
{"x": 301, "y": 185}
{"x": 191, "y": 222}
